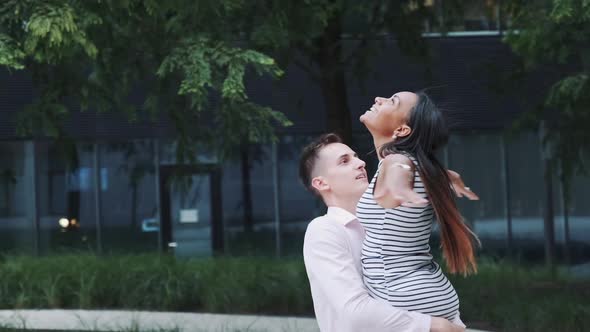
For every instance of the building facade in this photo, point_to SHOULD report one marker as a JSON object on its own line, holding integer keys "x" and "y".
{"x": 118, "y": 188}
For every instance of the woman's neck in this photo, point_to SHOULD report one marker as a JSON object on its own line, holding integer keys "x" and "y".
{"x": 379, "y": 141}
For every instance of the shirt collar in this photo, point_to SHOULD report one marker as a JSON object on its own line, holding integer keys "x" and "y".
{"x": 340, "y": 215}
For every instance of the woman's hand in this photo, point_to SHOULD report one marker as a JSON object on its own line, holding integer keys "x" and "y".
{"x": 395, "y": 184}
{"x": 459, "y": 187}
{"x": 442, "y": 325}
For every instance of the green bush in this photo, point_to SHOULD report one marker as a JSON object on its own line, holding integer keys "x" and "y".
{"x": 155, "y": 282}
{"x": 508, "y": 297}
{"x": 502, "y": 296}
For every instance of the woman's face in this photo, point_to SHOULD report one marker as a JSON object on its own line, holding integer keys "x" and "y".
{"x": 388, "y": 114}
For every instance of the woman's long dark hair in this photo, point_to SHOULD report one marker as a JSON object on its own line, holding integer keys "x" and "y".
{"x": 430, "y": 133}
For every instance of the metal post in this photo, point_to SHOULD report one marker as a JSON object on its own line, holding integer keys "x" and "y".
{"x": 276, "y": 191}
{"x": 506, "y": 178}
{"x": 157, "y": 181}
{"x": 499, "y": 17}
{"x": 97, "y": 198}
{"x": 31, "y": 171}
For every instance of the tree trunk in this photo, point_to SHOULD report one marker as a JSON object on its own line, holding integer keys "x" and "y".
{"x": 548, "y": 218}
{"x": 246, "y": 188}
{"x": 338, "y": 118}
{"x": 333, "y": 80}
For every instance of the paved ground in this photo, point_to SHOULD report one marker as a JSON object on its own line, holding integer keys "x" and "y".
{"x": 151, "y": 321}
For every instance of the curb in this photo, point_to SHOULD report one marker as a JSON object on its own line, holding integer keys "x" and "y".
{"x": 136, "y": 321}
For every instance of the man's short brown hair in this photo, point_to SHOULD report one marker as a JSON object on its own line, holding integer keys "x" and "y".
{"x": 309, "y": 156}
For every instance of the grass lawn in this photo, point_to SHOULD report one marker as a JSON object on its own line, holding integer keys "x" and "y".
{"x": 501, "y": 297}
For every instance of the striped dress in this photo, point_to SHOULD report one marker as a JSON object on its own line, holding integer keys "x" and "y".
{"x": 396, "y": 260}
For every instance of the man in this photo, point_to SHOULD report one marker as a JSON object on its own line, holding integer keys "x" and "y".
{"x": 332, "y": 248}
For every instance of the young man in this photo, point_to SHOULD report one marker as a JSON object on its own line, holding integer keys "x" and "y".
{"x": 332, "y": 248}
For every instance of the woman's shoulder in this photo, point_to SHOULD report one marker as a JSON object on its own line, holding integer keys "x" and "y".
{"x": 397, "y": 158}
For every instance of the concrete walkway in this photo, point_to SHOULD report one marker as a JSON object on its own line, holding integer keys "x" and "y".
{"x": 136, "y": 321}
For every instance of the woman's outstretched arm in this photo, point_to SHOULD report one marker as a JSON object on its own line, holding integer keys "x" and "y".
{"x": 395, "y": 183}
{"x": 459, "y": 187}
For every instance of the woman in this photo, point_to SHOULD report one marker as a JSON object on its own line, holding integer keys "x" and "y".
{"x": 407, "y": 131}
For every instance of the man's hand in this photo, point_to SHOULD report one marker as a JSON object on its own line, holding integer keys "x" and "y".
{"x": 438, "y": 324}
{"x": 459, "y": 187}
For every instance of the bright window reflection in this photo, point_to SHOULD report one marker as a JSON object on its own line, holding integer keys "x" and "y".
{"x": 469, "y": 16}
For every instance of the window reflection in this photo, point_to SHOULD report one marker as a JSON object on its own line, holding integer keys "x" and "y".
{"x": 66, "y": 191}
{"x": 451, "y": 16}
{"x": 15, "y": 215}
{"x": 128, "y": 196}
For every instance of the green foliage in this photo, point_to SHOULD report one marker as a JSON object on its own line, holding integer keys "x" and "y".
{"x": 153, "y": 282}
{"x": 42, "y": 115}
{"x": 508, "y": 297}
{"x": 554, "y": 36}
{"x": 191, "y": 57}
{"x": 306, "y": 31}
{"x": 10, "y": 55}
{"x": 502, "y": 296}
{"x": 56, "y": 30}
{"x": 334, "y": 42}
{"x": 182, "y": 54}
{"x": 206, "y": 59}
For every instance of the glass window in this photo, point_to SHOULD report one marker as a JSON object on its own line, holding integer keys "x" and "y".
{"x": 257, "y": 178}
{"x": 66, "y": 197}
{"x": 449, "y": 16}
{"x": 298, "y": 206}
{"x": 232, "y": 205}
{"x": 261, "y": 182}
{"x": 527, "y": 194}
{"x": 579, "y": 219}
{"x": 478, "y": 158}
{"x": 128, "y": 196}
{"x": 16, "y": 223}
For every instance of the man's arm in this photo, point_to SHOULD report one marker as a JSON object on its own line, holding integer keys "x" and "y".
{"x": 331, "y": 269}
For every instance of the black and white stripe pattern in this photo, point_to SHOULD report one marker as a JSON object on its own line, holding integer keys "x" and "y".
{"x": 396, "y": 259}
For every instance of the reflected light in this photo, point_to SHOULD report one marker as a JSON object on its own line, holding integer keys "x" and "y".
{"x": 63, "y": 222}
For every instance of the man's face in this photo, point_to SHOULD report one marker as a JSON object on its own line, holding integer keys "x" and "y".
{"x": 340, "y": 171}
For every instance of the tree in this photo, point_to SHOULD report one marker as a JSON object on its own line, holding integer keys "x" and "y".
{"x": 556, "y": 34}
{"x": 191, "y": 58}
{"x": 91, "y": 54}
{"x": 313, "y": 35}
{"x": 185, "y": 56}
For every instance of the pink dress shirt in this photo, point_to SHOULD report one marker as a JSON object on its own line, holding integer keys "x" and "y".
{"x": 332, "y": 255}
